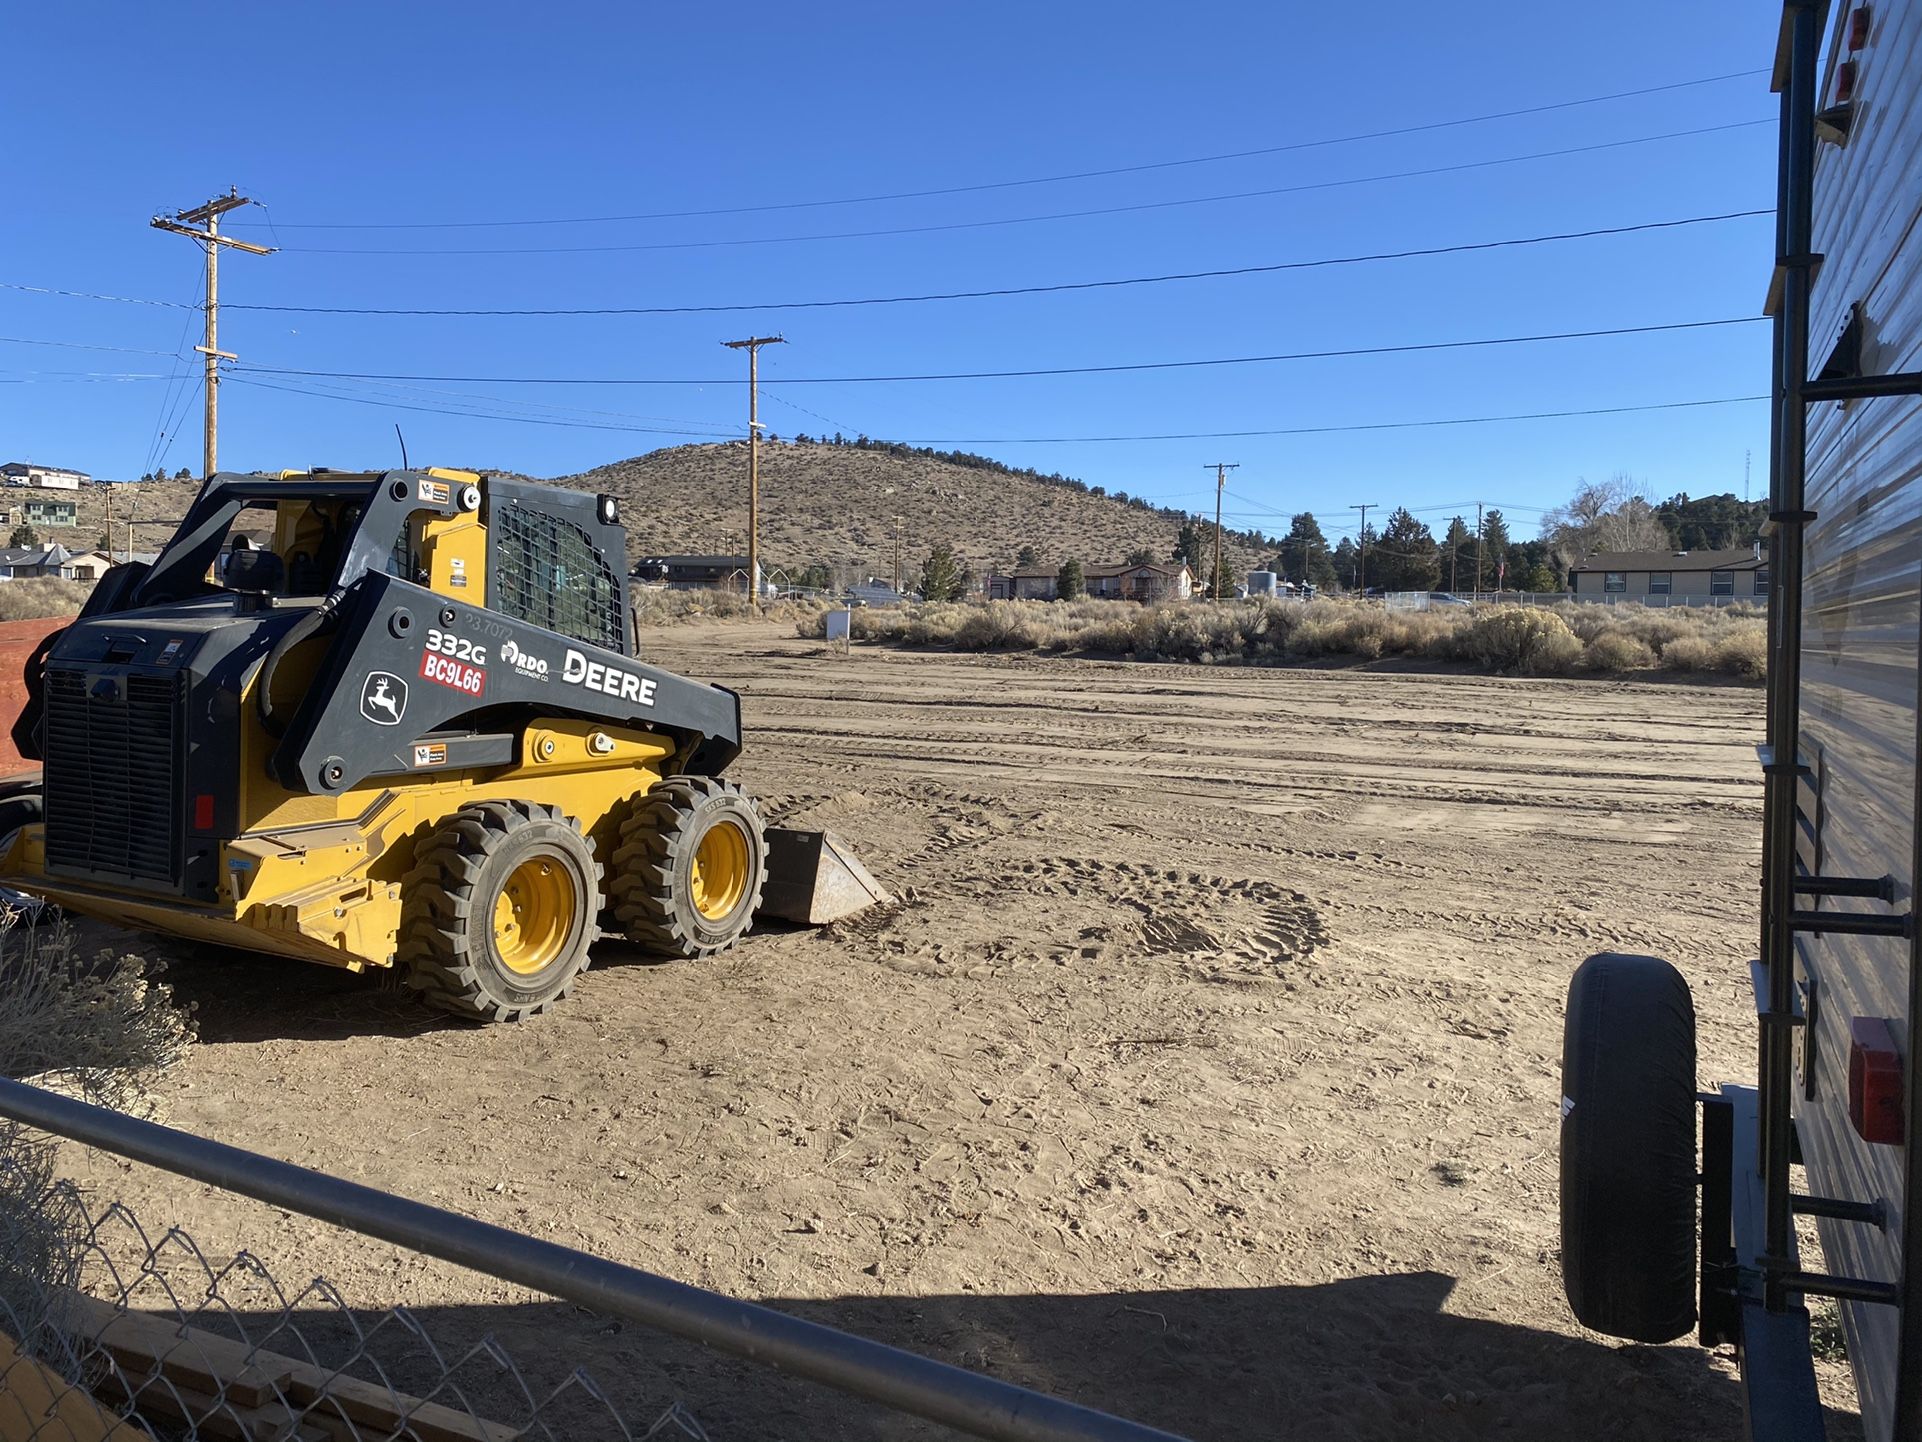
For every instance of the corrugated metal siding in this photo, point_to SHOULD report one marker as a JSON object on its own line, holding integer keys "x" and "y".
{"x": 1860, "y": 635}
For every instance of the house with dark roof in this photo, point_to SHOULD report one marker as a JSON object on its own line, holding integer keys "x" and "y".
{"x": 696, "y": 573}
{"x": 1148, "y": 583}
{"x": 21, "y": 563}
{"x": 1673, "y": 578}
{"x": 49, "y": 478}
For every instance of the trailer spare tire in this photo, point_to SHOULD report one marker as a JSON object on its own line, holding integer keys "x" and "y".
{"x": 1629, "y": 1176}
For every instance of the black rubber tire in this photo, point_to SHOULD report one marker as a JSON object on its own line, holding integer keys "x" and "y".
{"x": 447, "y": 948}
{"x": 1629, "y": 1178}
{"x": 650, "y": 887}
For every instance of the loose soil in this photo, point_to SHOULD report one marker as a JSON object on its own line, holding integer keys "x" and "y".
{"x": 1206, "y": 1069}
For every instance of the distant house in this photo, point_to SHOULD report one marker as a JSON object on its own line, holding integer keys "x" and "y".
{"x": 24, "y": 563}
{"x": 696, "y": 573}
{"x": 874, "y": 593}
{"x": 40, "y": 511}
{"x": 1021, "y": 586}
{"x": 1672, "y": 578}
{"x": 46, "y": 478}
{"x": 1146, "y": 583}
{"x": 86, "y": 566}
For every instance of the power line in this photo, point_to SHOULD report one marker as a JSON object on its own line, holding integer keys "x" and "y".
{"x": 1137, "y": 207}
{"x": 1040, "y": 440}
{"x": 82, "y": 345}
{"x": 1411, "y": 348}
{"x": 1227, "y": 272}
{"x": 1275, "y": 268}
{"x": 1033, "y": 180}
{"x": 95, "y": 295}
{"x": 478, "y": 415}
{"x": 1337, "y": 430}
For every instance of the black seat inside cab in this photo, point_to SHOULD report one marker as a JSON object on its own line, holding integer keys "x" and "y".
{"x": 252, "y": 569}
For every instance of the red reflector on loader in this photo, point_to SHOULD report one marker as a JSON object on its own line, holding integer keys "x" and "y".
{"x": 203, "y": 813}
{"x": 1875, "y": 1081}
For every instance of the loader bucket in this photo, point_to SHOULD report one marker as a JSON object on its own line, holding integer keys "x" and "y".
{"x": 813, "y": 878}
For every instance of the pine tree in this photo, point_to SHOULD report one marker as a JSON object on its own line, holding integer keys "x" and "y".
{"x": 1025, "y": 559}
{"x": 1406, "y": 558}
{"x": 940, "y": 574}
{"x": 1344, "y": 565}
{"x": 1495, "y": 545}
{"x": 23, "y": 537}
{"x": 1189, "y": 545}
{"x": 1068, "y": 583}
{"x": 1304, "y": 554}
{"x": 1458, "y": 556}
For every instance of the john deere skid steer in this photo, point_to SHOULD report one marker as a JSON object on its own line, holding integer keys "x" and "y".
{"x": 395, "y": 720}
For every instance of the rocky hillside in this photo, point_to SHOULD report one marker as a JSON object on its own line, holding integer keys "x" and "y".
{"x": 820, "y": 503}
{"x": 156, "y": 507}
{"x": 837, "y": 505}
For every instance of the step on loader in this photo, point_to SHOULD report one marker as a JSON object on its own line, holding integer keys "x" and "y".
{"x": 396, "y": 720}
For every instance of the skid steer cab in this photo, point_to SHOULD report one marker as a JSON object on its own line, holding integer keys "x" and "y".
{"x": 396, "y": 720}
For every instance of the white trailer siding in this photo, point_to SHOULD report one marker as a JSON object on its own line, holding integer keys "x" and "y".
{"x": 1859, "y": 644}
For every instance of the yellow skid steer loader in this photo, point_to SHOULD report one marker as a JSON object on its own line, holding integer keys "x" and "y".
{"x": 396, "y": 720}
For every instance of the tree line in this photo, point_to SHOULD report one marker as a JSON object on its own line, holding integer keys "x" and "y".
{"x": 1402, "y": 554}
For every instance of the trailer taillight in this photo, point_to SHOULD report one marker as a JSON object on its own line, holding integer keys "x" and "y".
{"x": 1875, "y": 1081}
{"x": 1858, "y": 27}
{"x": 1845, "y": 82}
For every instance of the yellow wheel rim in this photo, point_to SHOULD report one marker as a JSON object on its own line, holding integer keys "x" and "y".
{"x": 534, "y": 914}
{"x": 719, "y": 877}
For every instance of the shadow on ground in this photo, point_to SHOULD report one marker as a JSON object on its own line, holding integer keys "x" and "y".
{"x": 244, "y": 997}
{"x": 1370, "y": 1357}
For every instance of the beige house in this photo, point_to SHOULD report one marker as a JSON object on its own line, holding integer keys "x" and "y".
{"x": 1672, "y": 578}
{"x": 49, "y": 478}
{"x": 1145, "y": 583}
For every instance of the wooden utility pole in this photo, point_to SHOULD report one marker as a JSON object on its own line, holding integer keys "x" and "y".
{"x": 1478, "y": 548}
{"x": 1221, "y": 469}
{"x": 1361, "y": 565}
{"x": 899, "y": 523}
{"x": 752, "y": 345}
{"x": 202, "y": 223}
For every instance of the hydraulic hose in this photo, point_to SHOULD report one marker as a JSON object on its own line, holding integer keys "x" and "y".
{"x": 321, "y": 618}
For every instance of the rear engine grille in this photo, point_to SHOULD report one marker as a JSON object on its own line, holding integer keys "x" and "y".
{"x": 113, "y": 775}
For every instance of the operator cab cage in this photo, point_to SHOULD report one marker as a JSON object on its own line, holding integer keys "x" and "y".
{"x": 547, "y": 561}
{"x": 443, "y": 609}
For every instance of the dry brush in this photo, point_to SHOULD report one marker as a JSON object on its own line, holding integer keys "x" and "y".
{"x": 1524, "y": 640}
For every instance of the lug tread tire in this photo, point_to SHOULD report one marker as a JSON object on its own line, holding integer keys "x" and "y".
{"x": 1628, "y": 1160}
{"x": 648, "y": 886}
{"x": 441, "y": 948}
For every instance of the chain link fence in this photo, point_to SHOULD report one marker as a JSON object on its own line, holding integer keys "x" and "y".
{"x": 115, "y": 1331}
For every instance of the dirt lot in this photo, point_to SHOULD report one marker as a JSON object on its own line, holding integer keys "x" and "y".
{"x": 1206, "y": 1072}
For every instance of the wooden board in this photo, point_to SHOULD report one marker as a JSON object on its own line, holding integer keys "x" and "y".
{"x": 33, "y": 1396}
{"x": 261, "y": 1391}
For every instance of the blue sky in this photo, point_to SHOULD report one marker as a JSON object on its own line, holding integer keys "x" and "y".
{"x": 386, "y": 114}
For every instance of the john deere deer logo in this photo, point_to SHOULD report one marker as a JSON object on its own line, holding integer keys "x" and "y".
{"x": 383, "y": 698}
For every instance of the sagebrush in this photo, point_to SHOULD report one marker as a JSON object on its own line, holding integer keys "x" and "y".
{"x": 1563, "y": 639}
{"x": 100, "y": 1029}
{"x": 38, "y": 596}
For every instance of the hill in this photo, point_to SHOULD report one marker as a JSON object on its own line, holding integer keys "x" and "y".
{"x": 155, "y": 507}
{"x": 821, "y": 503}
{"x": 837, "y": 505}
